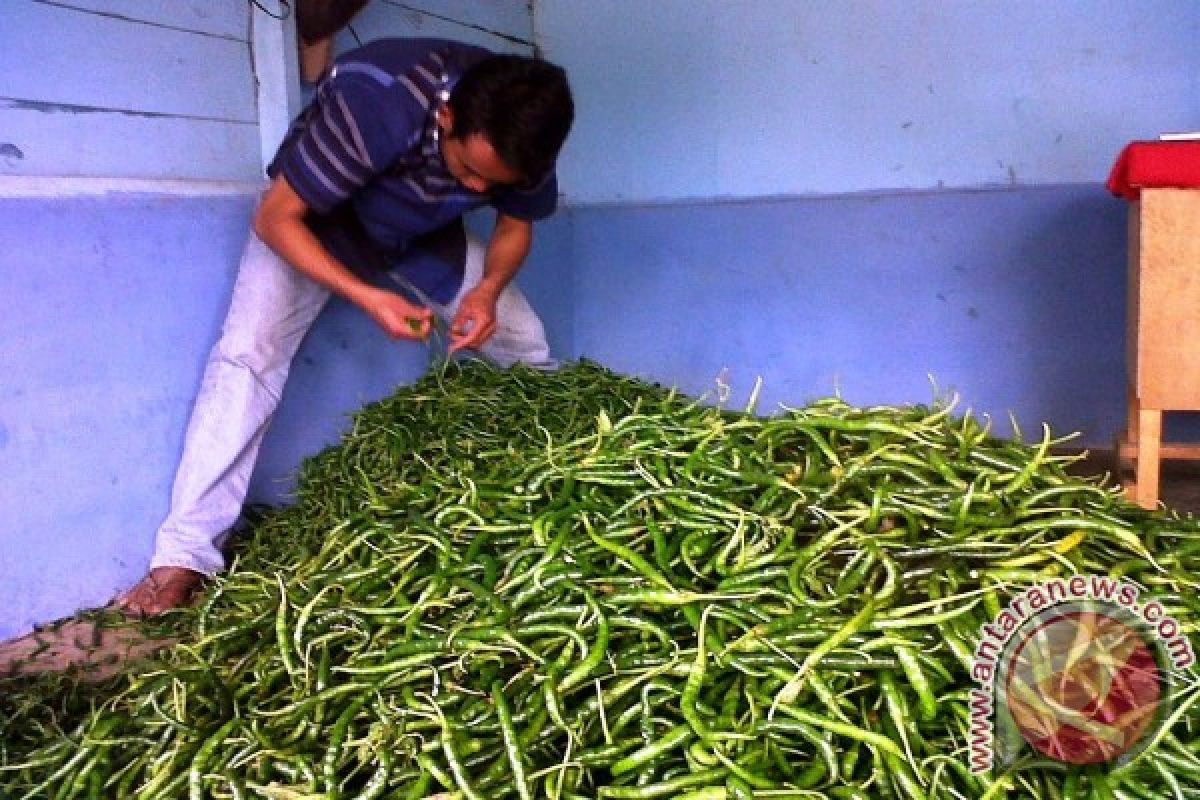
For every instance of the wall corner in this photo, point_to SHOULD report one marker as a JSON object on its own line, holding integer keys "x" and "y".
{"x": 276, "y": 72}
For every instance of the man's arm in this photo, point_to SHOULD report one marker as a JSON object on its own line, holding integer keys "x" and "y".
{"x": 279, "y": 222}
{"x": 475, "y": 321}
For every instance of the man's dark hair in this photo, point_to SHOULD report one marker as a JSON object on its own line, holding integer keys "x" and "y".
{"x": 521, "y": 105}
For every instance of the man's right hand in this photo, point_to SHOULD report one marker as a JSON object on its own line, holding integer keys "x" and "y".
{"x": 399, "y": 318}
{"x": 280, "y": 223}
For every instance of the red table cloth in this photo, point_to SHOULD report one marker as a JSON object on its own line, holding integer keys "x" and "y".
{"x": 1155, "y": 165}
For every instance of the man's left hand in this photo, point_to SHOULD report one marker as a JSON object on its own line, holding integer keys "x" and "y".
{"x": 475, "y": 321}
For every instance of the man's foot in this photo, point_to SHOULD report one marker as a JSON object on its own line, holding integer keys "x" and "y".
{"x": 163, "y": 589}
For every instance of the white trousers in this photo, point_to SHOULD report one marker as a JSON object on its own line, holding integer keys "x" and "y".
{"x": 273, "y": 307}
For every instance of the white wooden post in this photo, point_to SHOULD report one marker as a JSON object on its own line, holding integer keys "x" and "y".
{"x": 276, "y": 70}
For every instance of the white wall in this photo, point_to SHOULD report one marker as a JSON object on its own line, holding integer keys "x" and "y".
{"x": 128, "y": 88}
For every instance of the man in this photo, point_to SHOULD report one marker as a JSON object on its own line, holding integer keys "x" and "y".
{"x": 402, "y": 138}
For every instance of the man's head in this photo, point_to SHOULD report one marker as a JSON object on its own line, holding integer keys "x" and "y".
{"x": 505, "y": 121}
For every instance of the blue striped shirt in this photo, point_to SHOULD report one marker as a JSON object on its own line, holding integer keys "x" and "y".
{"x": 367, "y": 138}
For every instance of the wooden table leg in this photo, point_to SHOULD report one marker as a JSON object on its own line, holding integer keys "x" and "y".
{"x": 1125, "y": 446}
{"x": 1149, "y": 439}
{"x": 1132, "y": 421}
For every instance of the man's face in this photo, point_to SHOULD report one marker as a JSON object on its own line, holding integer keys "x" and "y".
{"x": 472, "y": 160}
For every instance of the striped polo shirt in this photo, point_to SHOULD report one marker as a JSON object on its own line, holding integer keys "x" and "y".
{"x": 368, "y": 142}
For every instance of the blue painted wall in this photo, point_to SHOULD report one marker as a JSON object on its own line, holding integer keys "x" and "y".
{"x": 109, "y": 301}
{"x": 1011, "y": 299}
{"x": 709, "y": 98}
{"x": 857, "y": 195}
{"x": 501, "y": 25}
{"x": 108, "y": 306}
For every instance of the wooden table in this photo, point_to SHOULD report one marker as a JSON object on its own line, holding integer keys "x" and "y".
{"x": 1163, "y": 341}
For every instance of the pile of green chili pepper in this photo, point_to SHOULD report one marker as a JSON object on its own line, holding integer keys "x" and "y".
{"x": 576, "y": 584}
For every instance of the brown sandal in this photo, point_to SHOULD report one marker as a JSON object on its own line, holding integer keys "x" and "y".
{"x": 163, "y": 589}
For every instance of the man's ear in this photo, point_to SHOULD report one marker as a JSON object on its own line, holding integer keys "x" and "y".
{"x": 445, "y": 118}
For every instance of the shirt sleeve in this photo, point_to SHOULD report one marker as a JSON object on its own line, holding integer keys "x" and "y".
{"x": 533, "y": 203}
{"x": 348, "y": 141}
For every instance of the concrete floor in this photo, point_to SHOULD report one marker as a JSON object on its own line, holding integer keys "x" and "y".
{"x": 1180, "y": 480}
{"x": 1181, "y": 486}
{"x": 94, "y": 649}
{"x": 98, "y": 651}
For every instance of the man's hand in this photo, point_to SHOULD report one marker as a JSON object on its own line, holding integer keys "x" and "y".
{"x": 475, "y": 321}
{"x": 399, "y": 318}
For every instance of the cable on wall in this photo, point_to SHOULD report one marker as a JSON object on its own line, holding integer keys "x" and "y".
{"x": 285, "y": 4}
